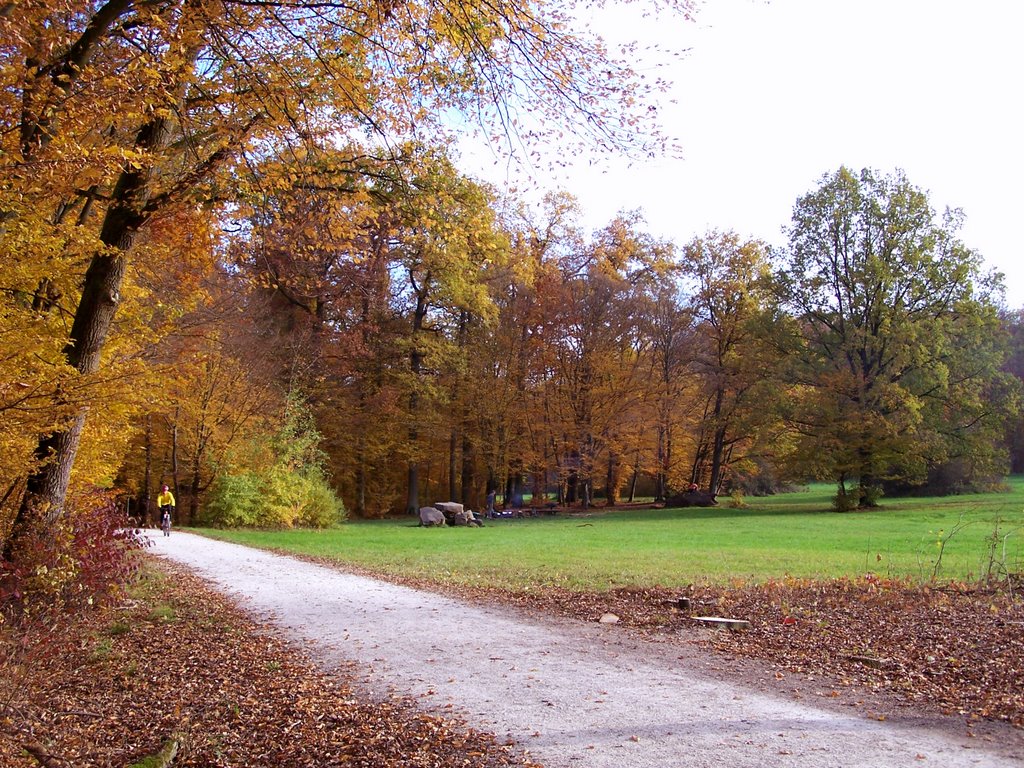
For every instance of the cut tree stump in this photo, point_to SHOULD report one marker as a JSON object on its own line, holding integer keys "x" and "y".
{"x": 723, "y": 623}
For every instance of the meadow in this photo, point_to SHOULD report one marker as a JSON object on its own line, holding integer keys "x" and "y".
{"x": 959, "y": 538}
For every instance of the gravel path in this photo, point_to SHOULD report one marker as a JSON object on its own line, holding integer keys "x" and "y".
{"x": 575, "y": 695}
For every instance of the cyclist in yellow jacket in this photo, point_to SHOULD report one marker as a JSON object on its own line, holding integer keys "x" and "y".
{"x": 165, "y": 501}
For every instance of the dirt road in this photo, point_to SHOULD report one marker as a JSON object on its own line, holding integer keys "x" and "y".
{"x": 575, "y": 695}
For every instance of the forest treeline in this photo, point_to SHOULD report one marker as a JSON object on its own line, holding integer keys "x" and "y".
{"x": 402, "y": 342}
{"x": 232, "y": 264}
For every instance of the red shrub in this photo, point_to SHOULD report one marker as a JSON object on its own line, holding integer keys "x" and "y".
{"x": 86, "y": 557}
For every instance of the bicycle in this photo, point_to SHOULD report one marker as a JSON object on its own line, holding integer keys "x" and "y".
{"x": 165, "y": 521}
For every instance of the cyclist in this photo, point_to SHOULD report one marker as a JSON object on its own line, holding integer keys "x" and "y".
{"x": 165, "y": 500}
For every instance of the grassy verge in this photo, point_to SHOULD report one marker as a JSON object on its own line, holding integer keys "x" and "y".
{"x": 954, "y": 538}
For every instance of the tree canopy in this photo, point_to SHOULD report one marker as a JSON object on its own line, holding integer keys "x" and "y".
{"x": 895, "y": 339}
{"x": 131, "y": 127}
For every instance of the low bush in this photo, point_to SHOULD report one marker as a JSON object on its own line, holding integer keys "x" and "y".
{"x": 291, "y": 488}
{"x": 282, "y": 498}
{"x": 87, "y": 556}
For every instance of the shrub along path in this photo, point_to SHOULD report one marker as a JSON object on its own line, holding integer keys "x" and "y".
{"x": 587, "y": 694}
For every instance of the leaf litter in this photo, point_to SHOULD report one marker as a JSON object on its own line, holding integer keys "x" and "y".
{"x": 958, "y": 648}
{"x": 187, "y": 665}
{"x": 179, "y": 664}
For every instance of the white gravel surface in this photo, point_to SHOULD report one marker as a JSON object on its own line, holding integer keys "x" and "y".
{"x": 573, "y": 694}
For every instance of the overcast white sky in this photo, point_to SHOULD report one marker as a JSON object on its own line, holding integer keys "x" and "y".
{"x": 774, "y": 94}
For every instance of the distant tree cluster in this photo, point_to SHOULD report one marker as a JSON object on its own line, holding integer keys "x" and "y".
{"x": 451, "y": 344}
{"x": 455, "y": 346}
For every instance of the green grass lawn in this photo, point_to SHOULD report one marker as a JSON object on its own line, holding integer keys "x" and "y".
{"x": 794, "y": 534}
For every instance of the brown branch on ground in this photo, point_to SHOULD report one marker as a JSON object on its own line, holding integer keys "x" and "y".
{"x": 43, "y": 757}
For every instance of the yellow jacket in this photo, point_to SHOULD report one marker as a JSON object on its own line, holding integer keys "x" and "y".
{"x": 164, "y": 499}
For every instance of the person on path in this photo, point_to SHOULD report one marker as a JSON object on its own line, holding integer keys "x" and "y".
{"x": 165, "y": 501}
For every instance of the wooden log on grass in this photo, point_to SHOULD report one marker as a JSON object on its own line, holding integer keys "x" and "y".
{"x": 721, "y": 622}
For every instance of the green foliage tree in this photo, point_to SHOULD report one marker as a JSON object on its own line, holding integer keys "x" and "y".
{"x": 1013, "y": 324}
{"x": 444, "y": 236}
{"x": 281, "y": 482}
{"x": 895, "y": 335}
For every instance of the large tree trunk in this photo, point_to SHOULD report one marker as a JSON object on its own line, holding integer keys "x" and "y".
{"x": 195, "y": 488}
{"x": 717, "y": 459}
{"x": 360, "y": 493}
{"x": 587, "y": 468}
{"x": 632, "y": 482}
{"x": 867, "y": 489}
{"x": 456, "y": 438}
{"x": 717, "y": 442}
{"x": 469, "y": 497}
{"x": 453, "y": 456}
{"x": 661, "y": 480}
{"x": 362, "y": 475}
{"x": 101, "y": 296}
{"x": 611, "y": 482}
{"x": 412, "y": 497}
{"x": 47, "y": 486}
{"x": 174, "y": 458}
{"x": 412, "y": 503}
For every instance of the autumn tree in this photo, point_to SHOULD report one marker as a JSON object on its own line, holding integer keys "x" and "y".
{"x": 380, "y": 271}
{"x": 895, "y": 340}
{"x": 444, "y": 237}
{"x": 732, "y": 354}
{"x": 669, "y": 328}
{"x": 118, "y": 112}
{"x": 310, "y": 235}
{"x": 517, "y": 431}
{"x": 593, "y": 388}
{"x": 644, "y": 264}
{"x": 219, "y": 391}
